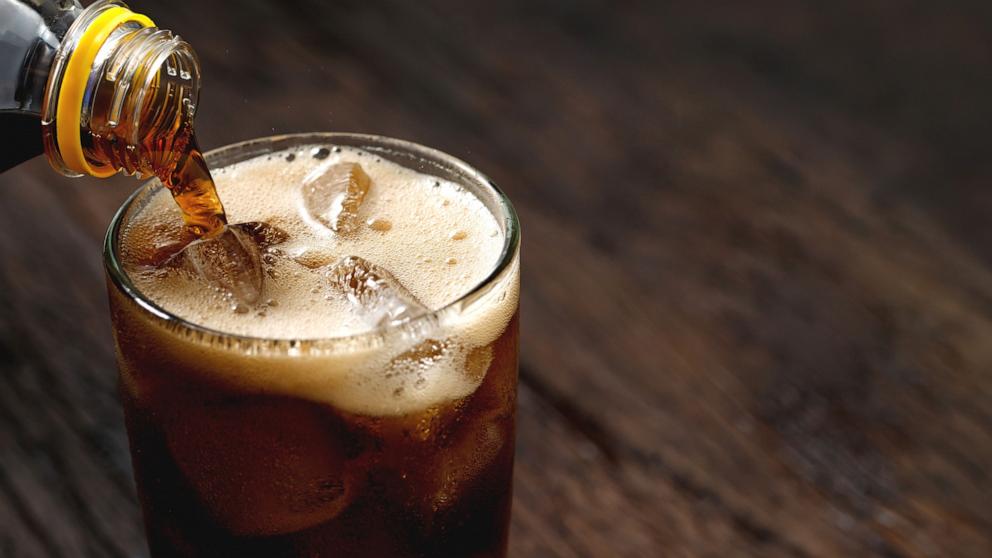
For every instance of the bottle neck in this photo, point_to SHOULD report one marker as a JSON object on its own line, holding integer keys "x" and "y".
{"x": 121, "y": 95}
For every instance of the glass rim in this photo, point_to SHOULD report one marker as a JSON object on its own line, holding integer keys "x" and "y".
{"x": 508, "y": 254}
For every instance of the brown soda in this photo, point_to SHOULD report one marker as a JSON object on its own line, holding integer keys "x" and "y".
{"x": 280, "y": 445}
{"x": 193, "y": 189}
{"x": 218, "y": 466}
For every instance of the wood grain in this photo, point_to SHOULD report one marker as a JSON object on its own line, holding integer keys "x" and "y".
{"x": 757, "y": 289}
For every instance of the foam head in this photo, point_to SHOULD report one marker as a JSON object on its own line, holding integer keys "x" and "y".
{"x": 422, "y": 243}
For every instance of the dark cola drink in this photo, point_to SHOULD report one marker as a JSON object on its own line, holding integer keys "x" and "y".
{"x": 336, "y": 374}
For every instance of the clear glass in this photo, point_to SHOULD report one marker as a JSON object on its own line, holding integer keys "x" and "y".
{"x": 233, "y": 457}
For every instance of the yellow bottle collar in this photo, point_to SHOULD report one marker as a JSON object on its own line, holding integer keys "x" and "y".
{"x": 73, "y": 88}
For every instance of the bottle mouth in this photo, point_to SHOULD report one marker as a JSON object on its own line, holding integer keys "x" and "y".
{"x": 69, "y": 81}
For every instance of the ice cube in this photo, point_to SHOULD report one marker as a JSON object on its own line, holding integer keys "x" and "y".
{"x": 151, "y": 246}
{"x": 376, "y": 295}
{"x": 229, "y": 260}
{"x": 472, "y": 448}
{"x": 409, "y": 369}
{"x": 333, "y": 195}
{"x": 264, "y": 465}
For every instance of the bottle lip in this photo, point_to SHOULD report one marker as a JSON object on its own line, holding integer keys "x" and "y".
{"x": 66, "y": 88}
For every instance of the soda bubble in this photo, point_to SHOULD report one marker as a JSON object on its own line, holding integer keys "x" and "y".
{"x": 314, "y": 258}
{"x": 333, "y": 195}
{"x": 379, "y": 224}
{"x": 378, "y": 297}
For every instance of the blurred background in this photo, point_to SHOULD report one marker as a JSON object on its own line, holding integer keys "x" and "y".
{"x": 757, "y": 305}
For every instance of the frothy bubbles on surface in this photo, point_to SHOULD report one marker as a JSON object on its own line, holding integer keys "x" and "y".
{"x": 387, "y": 269}
{"x": 402, "y": 228}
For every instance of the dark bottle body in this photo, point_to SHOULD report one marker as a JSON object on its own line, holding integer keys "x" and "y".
{"x": 30, "y": 33}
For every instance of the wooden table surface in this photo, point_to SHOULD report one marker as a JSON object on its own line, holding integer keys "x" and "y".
{"x": 757, "y": 305}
